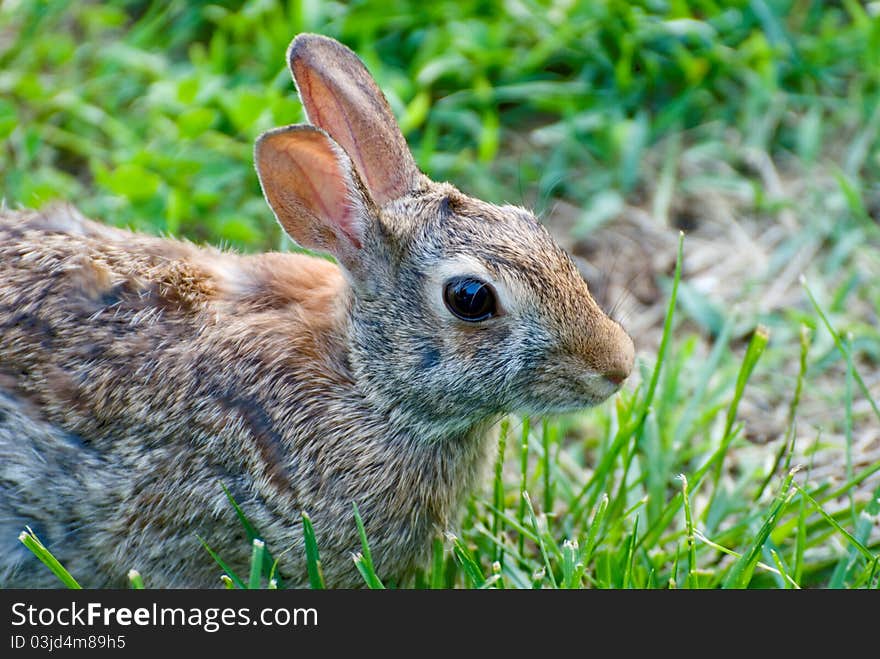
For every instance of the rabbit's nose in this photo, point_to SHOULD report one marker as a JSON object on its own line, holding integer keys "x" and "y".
{"x": 621, "y": 363}
{"x": 617, "y": 377}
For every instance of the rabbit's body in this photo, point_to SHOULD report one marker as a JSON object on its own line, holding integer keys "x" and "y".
{"x": 115, "y": 337}
{"x": 139, "y": 374}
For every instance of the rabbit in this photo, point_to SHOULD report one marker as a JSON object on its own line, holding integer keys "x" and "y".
{"x": 140, "y": 376}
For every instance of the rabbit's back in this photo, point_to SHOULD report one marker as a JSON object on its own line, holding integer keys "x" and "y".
{"x": 85, "y": 307}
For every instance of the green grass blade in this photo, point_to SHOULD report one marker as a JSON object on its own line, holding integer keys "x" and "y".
{"x": 463, "y": 556}
{"x": 524, "y": 478}
{"x": 249, "y": 529}
{"x": 664, "y": 339}
{"x": 800, "y": 541}
{"x": 540, "y": 537}
{"x": 368, "y": 572}
{"x": 846, "y": 563}
{"x": 570, "y": 564}
{"x": 856, "y": 480}
{"x": 548, "y": 437}
{"x": 602, "y": 472}
{"x": 629, "y": 558}
{"x": 789, "y": 581}
{"x": 30, "y": 540}
{"x": 759, "y": 340}
{"x": 313, "y": 559}
{"x": 510, "y": 551}
{"x": 740, "y": 574}
{"x": 786, "y": 580}
{"x": 226, "y": 569}
{"x": 258, "y": 547}
{"x": 364, "y": 560}
{"x": 496, "y": 579}
{"x": 864, "y": 524}
{"x": 867, "y": 553}
{"x": 843, "y": 351}
{"x": 848, "y": 421}
{"x": 252, "y": 533}
{"x": 438, "y": 574}
{"x": 656, "y": 529}
{"x": 135, "y": 579}
{"x": 673, "y": 573}
{"x": 692, "y": 577}
{"x": 593, "y": 532}
{"x": 512, "y": 522}
{"x": 498, "y": 487}
{"x": 638, "y": 504}
{"x": 787, "y": 447}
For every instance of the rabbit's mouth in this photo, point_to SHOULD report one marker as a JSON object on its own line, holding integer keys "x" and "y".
{"x": 557, "y": 392}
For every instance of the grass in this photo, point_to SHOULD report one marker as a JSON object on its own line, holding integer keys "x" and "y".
{"x": 743, "y": 453}
{"x": 30, "y": 540}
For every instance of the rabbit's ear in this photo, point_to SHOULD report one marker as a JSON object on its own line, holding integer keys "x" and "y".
{"x": 314, "y": 191}
{"x": 340, "y": 96}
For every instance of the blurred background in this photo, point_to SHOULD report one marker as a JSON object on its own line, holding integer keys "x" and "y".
{"x": 144, "y": 113}
{"x": 753, "y": 126}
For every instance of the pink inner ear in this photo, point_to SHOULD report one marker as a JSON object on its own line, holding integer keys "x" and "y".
{"x": 315, "y": 177}
{"x": 340, "y": 97}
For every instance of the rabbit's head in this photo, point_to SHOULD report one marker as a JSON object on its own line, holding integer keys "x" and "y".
{"x": 459, "y": 309}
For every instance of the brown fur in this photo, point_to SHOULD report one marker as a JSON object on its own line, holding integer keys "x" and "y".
{"x": 139, "y": 374}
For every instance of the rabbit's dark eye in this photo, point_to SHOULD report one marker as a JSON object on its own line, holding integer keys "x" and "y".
{"x": 469, "y": 299}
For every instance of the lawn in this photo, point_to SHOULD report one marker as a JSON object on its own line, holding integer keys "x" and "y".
{"x": 714, "y": 166}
